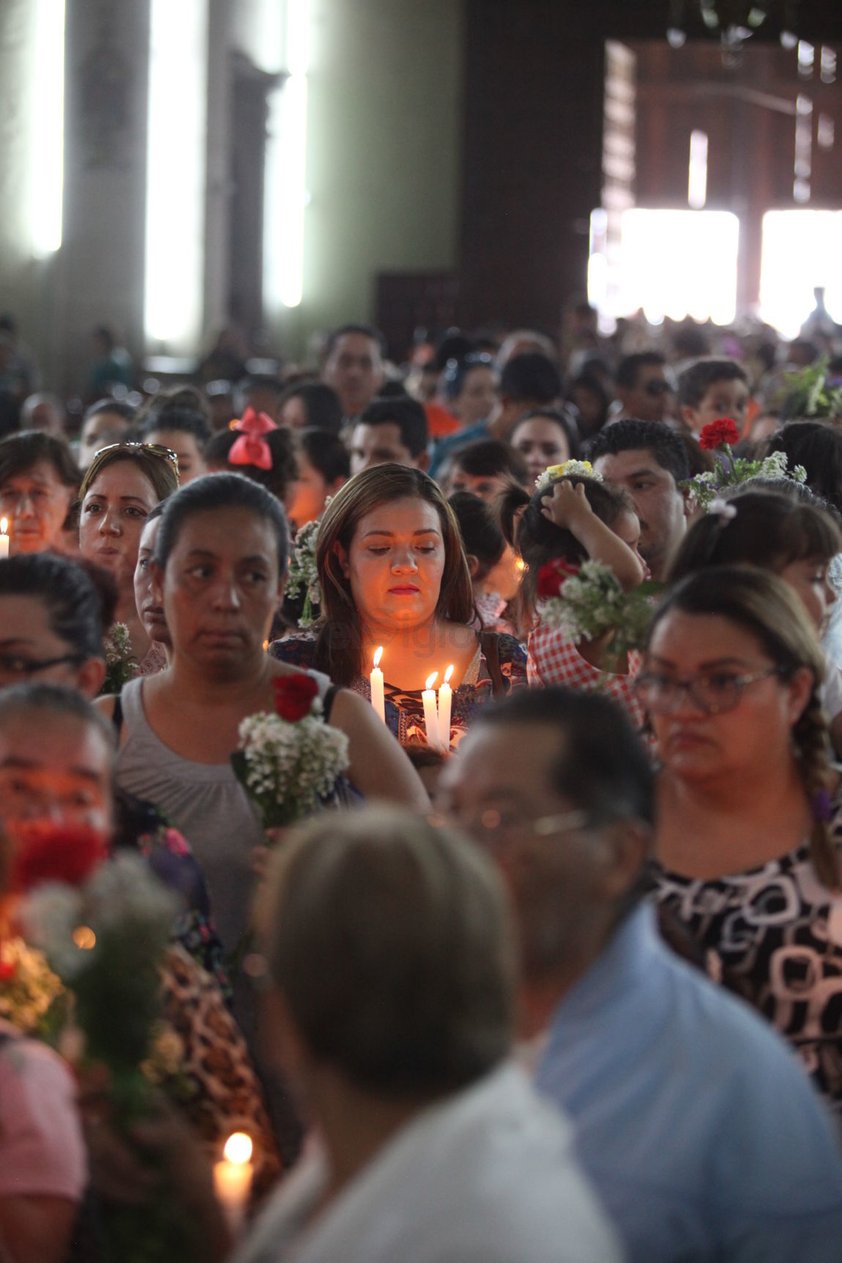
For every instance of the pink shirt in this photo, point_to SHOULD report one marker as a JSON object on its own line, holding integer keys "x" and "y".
{"x": 42, "y": 1152}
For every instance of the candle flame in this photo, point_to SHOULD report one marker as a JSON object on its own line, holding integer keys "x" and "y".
{"x": 448, "y": 673}
{"x": 84, "y": 938}
{"x": 265, "y": 645}
{"x": 378, "y": 654}
{"x": 238, "y": 1148}
{"x": 431, "y": 679}
{"x": 520, "y": 564}
{"x": 4, "y": 526}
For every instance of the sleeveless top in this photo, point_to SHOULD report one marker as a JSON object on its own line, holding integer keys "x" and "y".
{"x": 206, "y": 802}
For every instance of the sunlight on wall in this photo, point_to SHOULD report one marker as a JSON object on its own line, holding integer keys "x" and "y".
{"x": 46, "y": 170}
{"x": 672, "y": 263}
{"x": 286, "y": 186}
{"x": 801, "y": 249}
{"x": 175, "y": 191}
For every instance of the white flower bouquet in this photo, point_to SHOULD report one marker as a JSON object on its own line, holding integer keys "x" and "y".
{"x": 289, "y": 762}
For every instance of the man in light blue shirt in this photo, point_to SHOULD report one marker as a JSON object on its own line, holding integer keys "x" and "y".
{"x": 697, "y": 1126}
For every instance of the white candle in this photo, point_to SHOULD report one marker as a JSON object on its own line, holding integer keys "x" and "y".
{"x": 4, "y": 537}
{"x": 445, "y": 701}
{"x": 232, "y": 1179}
{"x": 378, "y": 700}
{"x": 431, "y": 714}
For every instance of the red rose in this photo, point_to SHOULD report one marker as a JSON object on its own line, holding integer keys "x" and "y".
{"x": 718, "y": 432}
{"x": 45, "y": 852}
{"x": 552, "y": 577}
{"x": 294, "y": 695}
{"x": 8, "y": 969}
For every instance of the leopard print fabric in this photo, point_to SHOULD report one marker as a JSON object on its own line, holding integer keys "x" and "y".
{"x": 214, "y": 1082}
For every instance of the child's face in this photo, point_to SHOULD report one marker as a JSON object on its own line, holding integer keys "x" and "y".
{"x": 808, "y": 578}
{"x": 721, "y": 399}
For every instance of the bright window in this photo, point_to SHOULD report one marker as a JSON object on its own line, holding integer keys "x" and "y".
{"x": 801, "y": 250}
{"x": 672, "y": 263}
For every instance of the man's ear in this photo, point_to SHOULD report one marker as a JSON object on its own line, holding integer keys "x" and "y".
{"x": 422, "y": 461}
{"x": 90, "y": 676}
{"x": 688, "y": 416}
{"x": 627, "y": 846}
{"x": 473, "y": 564}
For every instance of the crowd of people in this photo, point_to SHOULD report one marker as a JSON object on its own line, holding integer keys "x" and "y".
{"x": 550, "y": 965}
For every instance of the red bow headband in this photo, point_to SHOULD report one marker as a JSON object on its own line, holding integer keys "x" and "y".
{"x": 251, "y": 447}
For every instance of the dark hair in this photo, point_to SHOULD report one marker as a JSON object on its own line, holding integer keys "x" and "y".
{"x": 159, "y": 471}
{"x": 628, "y": 436}
{"x": 456, "y": 372}
{"x": 489, "y": 458}
{"x": 326, "y": 452}
{"x": 407, "y": 414}
{"x": 481, "y": 534}
{"x": 769, "y": 531}
{"x": 180, "y": 420}
{"x": 696, "y": 380}
{"x": 391, "y": 942}
{"x": 531, "y": 377}
{"x": 263, "y": 381}
{"x": 321, "y": 403}
{"x": 367, "y": 331}
{"x": 19, "y": 452}
{"x": 589, "y": 381}
{"x": 67, "y": 592}
{"x": 630, "y": 366}
{"x": 602, "y": 767}
{"x": 818, "y": 447}
{"x": 565, "y": 423}
{"x": 538, "y": 540}
{"x": 281, "y": 448}
{"x": 765, "y": 607}
{"x": 174, "y": 399}
{"x": 339, "y": 646}
{"x": 117, "y": 406}
{"x": 211, "y": 493}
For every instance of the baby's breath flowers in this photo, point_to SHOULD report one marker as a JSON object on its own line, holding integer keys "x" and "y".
{"x": 289, "y": 762}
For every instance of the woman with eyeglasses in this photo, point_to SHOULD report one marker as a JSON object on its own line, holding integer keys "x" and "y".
{"x": 121, "y": 486}
{"x": 748, "y": 816}
{"x": 38, "y": 482}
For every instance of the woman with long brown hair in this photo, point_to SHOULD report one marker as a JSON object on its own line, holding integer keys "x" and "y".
{"x": 393, "y": 574}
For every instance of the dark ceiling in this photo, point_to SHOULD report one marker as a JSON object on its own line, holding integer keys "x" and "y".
{"x": 812, "y": 20}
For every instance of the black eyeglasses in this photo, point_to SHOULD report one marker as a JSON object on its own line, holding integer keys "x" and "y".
{"x": 14, "y": 664}
{"x": 714, "y": 694}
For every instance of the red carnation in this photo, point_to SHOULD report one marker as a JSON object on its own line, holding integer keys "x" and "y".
{"x": 8, "y": 969}
{"x": 553, "y": 575}
{"x": 717, "y": 433}
{"x": 45, "y": 851}
{"x": 294, "y": 695}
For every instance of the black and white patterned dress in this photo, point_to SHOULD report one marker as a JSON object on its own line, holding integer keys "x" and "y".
{"x": 777, "y": 933}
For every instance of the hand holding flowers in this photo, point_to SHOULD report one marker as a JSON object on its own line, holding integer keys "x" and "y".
{"x": 288, "y": 762}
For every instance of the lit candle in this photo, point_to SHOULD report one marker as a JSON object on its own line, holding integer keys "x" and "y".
{"x": 4, "y": 537}
{"x": 232, "y": 1179}
{"x": 445, "y": 700}
{"x": 431, "y": 714}
{"x": 378, "y": 700}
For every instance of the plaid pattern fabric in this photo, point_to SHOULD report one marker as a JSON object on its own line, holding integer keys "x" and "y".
{"x": 553, "y": 660}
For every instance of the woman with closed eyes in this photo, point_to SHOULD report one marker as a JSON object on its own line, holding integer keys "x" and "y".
{"x": 749, "y": 824}
{"x": 393, "y": 573}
